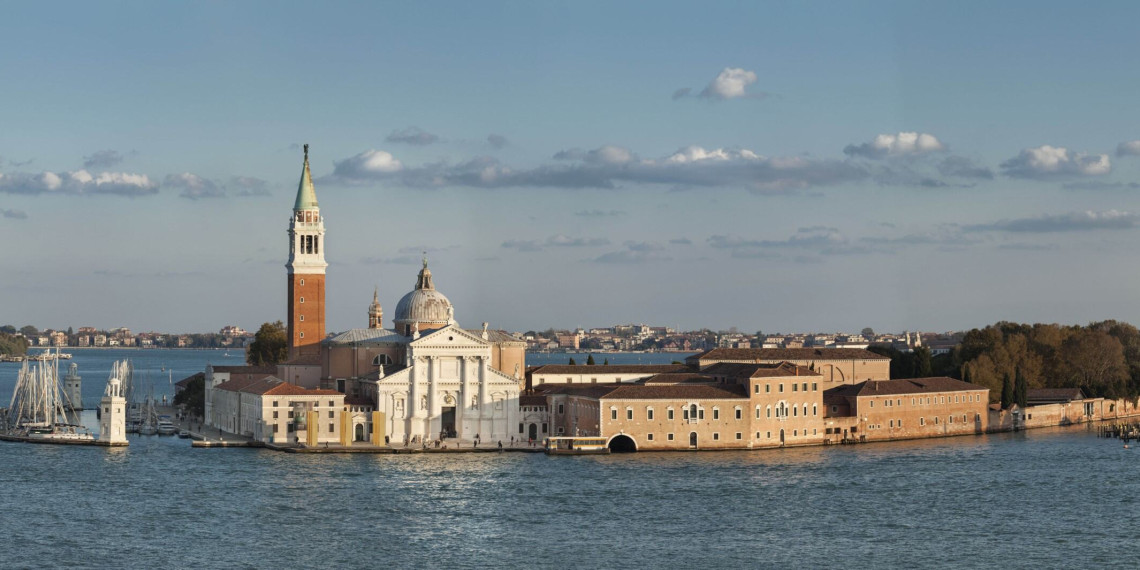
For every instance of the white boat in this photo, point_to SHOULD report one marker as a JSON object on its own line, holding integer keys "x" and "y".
{"x": 148, "y": 429}
{"x": 166, "y": 427}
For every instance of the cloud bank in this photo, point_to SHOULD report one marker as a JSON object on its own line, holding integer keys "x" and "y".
{"x": 1049, "y": 162}
{"x": 79, "y": 182}
{"x": 892, "y": 145}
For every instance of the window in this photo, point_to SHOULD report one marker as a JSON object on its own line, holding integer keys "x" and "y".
{"x": 834, "y": 409}
{"x": 892, "y": 423}
{"x": 332, "y": 428}
{"x": 805, "y": 410}
{"x": 716, "y": 436}
{"x": 769, "y": 411}
{"x": 302, "y": 282}
{"x": 649, "y": 437}
{"x": 669, "y": 436}
{"x": 795, "y": 387}
{"x": 767, "y": 388}
{"x": 757, "y": 388}
{"x": 805, "y": 387}
{"x": 950, "y": 419}
{"x": 872, "y": 403}
{"x": 738, "y": 435}
{"x": 274, "y": 403}
{"x": 912, "y": 401}
{"x": 302, "y": 318}
{"x": 757, "y": 412}
{"x": 275, "y": 414}
{"x": 613, "y": 413}
{"x": 716, "y": 413}
{"x": 757, "y": 435}
{"x": 629, "y": 413}
{"x": 814, "y": 387}
{"x": 794, "y": 410}
{"x": 814, "y": 411}
{"x": 302, "y": 299}
{"x": 544, "y": 430}
{"x": 781, "y": 387}
{"x": 898, "y": 423}
{"x": 290, "y": 413}
{"x": 569, "y": 379}
{"x": 302, "y": 335}
{"x": 649, "y": 414}
{"x": 795, "y": 432}
{"x": 701, "y": 414}
{"x": 921, "y": 421}
{"x": 331, "y": 416}
{"x": 769, "y": 435}
{"x": 595, "y": 380}
{"x": 669, "y": 413}
{"x": 693, "y": 412}
{"x": 685, "y": 413}
{"x": 520, "y": 427}
{"x": 274, "y": 428}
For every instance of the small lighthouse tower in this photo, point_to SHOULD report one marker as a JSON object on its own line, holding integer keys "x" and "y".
{"x": 71, "y": 387}
{"x": 113, "y": 419}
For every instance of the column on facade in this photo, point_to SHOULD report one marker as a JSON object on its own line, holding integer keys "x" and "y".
{"x": 464, "y": 397}
{"x": 486, "y": 410}
{"x": 430, "y": 427}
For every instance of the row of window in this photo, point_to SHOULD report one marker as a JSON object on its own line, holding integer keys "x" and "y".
{"x": 522, "y": 427}
{"x": 291, "y": 404}
{"x": 691, "y": 412}
{"x": 332, "y": 428}
{"x": 796, "y": 387}
{"x": 782, "y": 409}
{"x": 934, "y": 400}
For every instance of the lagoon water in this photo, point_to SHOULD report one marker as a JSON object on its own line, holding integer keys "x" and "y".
{"x": 1045, "y": 498}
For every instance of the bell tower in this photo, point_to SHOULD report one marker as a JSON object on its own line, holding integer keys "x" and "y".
{"x": 375, "y": 312}
{"x": 306, "y": 269}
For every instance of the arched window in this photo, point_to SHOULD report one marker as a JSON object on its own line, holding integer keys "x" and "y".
{"x": 382, "y": 359}
{"x": 814, "y": 412}
{"x": 693, "y": 412}
{"x": 769, "y": 411}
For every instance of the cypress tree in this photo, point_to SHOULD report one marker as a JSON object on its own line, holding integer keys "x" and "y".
{"x": 572, "y": 363}
{"x": 1021, "y": 389}
{"x": 606, "y": 362}
{"x": 590, "y": 360}
{"x": 1006, "y": 392}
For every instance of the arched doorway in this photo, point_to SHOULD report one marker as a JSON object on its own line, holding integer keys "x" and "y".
{"x": 532, "y": 431}
{"x": 781, "y": 437}
{"x": 359, "y": 432}
{"x": 621, "y": 444}
{"x": 692, "y": 439}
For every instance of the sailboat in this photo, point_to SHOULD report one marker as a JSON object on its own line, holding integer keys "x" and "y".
{"x": 149, "y": 421}
{"x": 38, "y": 407}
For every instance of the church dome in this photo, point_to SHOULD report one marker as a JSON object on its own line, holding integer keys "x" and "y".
{"x": 424, "y": 307}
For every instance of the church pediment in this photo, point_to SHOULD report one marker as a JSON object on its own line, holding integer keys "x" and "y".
{"x": 450, "y": 336}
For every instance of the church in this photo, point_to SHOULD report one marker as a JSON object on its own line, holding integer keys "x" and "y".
{"x": 427, "y": 377}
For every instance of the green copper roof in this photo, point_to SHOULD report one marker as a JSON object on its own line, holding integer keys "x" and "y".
{"x": 306, "y": 197}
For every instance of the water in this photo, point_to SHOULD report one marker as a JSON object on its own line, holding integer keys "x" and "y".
{"x": 1044, "y": 498}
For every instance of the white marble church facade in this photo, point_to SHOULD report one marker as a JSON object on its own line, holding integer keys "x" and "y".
{"x": 448, "y": 388}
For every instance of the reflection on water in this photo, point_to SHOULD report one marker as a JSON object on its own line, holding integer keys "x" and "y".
{"x": 1033, "y": 497}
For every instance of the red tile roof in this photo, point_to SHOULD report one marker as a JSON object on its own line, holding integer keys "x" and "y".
{"x": 753, "y": 370}
{"x": 778, "y": 354}
{"x": 187, "y": 380}
{"x": 271, "y": 386}
{"x": 609, "y": 369}
{"x": 906, "y": 386}
{"x": 651, "y": 392}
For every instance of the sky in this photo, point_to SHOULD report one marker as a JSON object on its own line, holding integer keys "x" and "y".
{"x": 791, "y": 167}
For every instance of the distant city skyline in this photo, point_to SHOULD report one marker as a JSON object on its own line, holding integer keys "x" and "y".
{"x": 766, "y": 166}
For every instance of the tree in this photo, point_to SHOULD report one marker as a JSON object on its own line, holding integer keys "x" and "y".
{"x": 923, "y": 368}
{"x": 590, "y": 360}
{"x": 572, "y": 363}
{"x": 868, "y": 332}
{"x": 193, "y": 396}
{"x": 1020, "y": 389}
{"x": 8, "y": 329}
{"x": 13, "y": 345}
{"x": 1006, "y": 392}
{"x": 70, "y": 331}
{"x": 269, "y": 346}
{"x": 1093, "y": 360}
{"x": 606, "y": 362}
{"x": 29, "y": 331}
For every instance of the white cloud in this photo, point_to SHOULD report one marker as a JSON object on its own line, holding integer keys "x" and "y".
{"x": 1048, "y": 161}
{"x": 606, "y": 167}
{"x": 1070, "y": 222}
{"x": 78, "y": 182}
{"x": 412, "y": 135}
{"x": 729, "y": 84}
{"x": 193, "y": 186}
{"x": 899, "y": 144}
{"x": 102, "y": 159}
{"x": 1129, "y": 148}
{"x": 368, "y": 164}
{"x": 557, "y": 240}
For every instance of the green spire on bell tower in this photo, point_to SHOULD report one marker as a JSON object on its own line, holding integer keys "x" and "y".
{"x": 306, "y": 196}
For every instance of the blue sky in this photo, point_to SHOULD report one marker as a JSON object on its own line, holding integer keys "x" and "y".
{"x": 769, "y": 166}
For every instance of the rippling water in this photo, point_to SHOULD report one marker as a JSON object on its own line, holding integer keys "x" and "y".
{"x": 1040, "y": 499}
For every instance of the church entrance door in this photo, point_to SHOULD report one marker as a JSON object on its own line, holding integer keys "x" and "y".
{"x": 533, "y": 431}
{"x": 447, "y": 421}
{"x": 359, "y": 432}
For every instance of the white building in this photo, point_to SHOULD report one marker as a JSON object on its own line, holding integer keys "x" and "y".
{"x": 270, "y": 410}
